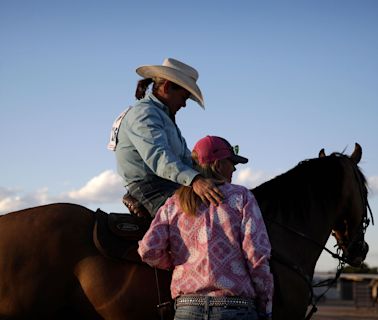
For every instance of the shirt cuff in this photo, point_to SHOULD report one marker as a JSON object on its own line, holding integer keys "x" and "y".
{"x": 186, "y": 177}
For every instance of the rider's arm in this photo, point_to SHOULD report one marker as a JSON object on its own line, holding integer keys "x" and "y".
{"x": 160, "y": 144}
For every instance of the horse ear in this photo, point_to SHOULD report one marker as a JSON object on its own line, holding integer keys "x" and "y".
{"x": 322, "y": 153}
{"x": 357, "y": 153}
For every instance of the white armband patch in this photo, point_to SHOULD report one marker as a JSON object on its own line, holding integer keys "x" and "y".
{"x": 115, "y": 129}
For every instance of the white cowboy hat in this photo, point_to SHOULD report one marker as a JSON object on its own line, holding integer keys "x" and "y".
{"x": 180, "y": 73}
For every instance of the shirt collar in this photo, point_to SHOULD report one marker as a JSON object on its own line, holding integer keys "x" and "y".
{"x": 157, "y": 102}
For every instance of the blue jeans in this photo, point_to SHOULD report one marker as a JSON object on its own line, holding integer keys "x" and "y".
{"x": 152, "y": 192}
{"x": 215, "y": 313}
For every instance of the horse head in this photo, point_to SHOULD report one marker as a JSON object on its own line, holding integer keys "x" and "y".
{"x": 349, "y": 229}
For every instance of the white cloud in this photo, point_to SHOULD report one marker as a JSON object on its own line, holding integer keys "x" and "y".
{"x": 250, "y": 179}
{"x": 12, "y": 199}
{"x": 373, "y": 185}
{"x": 104, "y": 188}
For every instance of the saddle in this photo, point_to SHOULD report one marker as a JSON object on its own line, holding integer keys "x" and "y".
{"x": 116, "y": 235}
{"x": 135, "y": 207}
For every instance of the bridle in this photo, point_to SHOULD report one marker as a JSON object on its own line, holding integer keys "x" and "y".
{"x": 336, "y": 255}
{"x": 356, "y": 242}
{"x": 308, "y": 279}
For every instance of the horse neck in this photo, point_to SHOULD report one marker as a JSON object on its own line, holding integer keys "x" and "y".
{"x": 299, "y": 214}
{"x": 299, "y": 243}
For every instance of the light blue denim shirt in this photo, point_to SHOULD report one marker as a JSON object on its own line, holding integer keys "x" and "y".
{"x": 149, "y": 142}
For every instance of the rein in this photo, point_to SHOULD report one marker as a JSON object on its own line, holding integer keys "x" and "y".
{"x": 295, "y": 268}
{"x": 158, "y": 292}
{"x": 342, "y": 258}
{"x": 336, "y": 255}
{"x": 161, "y": 304}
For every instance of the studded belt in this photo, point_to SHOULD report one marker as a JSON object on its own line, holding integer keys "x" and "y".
{"x": 214, "y": 301}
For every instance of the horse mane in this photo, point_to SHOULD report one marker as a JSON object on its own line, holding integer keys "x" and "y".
{"x": 312, "y": 182}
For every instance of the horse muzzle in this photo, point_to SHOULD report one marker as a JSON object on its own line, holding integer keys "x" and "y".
{"x": 357, "y": 253}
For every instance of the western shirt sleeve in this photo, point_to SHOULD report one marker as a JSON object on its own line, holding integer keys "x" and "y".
{"x": 154, "y": 247}
{"x": 256, "y": 248}
{"x": 149, "y": 133}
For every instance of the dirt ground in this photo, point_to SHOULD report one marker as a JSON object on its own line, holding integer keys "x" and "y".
{"x": 340, "y": 311}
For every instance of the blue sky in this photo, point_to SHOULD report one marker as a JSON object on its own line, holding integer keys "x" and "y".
{"x": 282, "y": 79}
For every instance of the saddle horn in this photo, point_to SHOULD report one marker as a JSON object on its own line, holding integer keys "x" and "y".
{"x": 322, "y": 153}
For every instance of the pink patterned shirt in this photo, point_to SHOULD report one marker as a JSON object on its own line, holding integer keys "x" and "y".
{"x": 222, "y": 251}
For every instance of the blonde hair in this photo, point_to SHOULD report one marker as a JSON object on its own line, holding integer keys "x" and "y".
{"x": 188, "y": 199}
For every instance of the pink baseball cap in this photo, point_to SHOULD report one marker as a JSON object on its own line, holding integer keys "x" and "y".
{"x": 211, "y": 148}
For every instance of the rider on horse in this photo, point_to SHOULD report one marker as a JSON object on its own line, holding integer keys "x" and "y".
{"x": 152, "y": 156}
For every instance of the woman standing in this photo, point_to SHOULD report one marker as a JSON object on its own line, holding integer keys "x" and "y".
{"x": 219, "y": 253}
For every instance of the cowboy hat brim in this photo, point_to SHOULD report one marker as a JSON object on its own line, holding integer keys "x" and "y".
{"x": 175, "y": 76}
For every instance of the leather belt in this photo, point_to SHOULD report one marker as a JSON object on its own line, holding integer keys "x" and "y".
{"x": 214, "y": 301}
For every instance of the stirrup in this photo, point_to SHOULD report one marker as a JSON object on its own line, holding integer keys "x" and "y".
{"x": 135, "y": 207}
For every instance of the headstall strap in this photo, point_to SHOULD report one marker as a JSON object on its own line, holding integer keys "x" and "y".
{"x": 342, "y": 260}
{"x": 299, "y": 271}
{"x": 371, "y": 214}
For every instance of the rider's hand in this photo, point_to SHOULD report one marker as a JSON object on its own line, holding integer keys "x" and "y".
{"x": 207, "y": 190}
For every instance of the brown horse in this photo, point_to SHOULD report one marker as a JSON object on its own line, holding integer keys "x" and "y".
{"x": 50, "y": 268}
